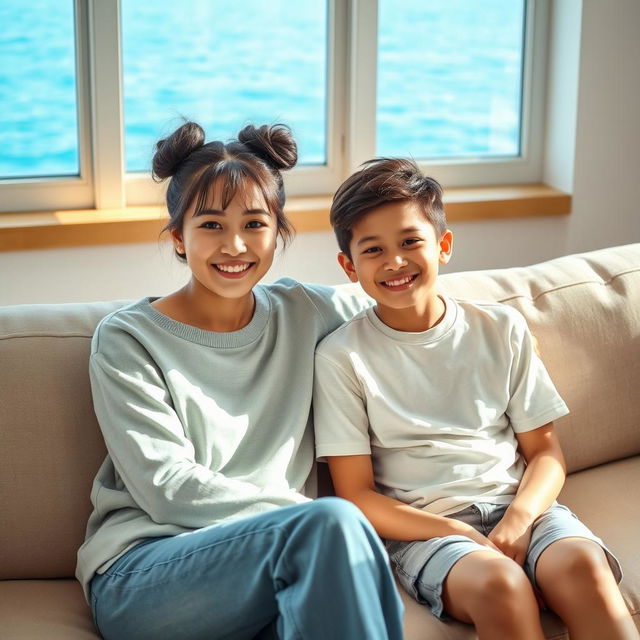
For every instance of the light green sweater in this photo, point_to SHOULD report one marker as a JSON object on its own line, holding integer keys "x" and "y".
{"x": 200, "y": 426}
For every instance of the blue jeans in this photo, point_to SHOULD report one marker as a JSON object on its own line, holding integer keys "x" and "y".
{"x": 315, "y": 570}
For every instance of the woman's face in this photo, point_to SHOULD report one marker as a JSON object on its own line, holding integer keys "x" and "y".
{"x": 229, "y": 250}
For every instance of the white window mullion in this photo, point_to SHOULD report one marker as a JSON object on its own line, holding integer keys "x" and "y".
{"x": 315, "y": 180}
{"x": 362, "y": 82}
{"x": 106, "y": 101}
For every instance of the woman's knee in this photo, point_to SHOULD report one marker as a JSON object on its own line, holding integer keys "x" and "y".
{"x": 332, "y": 511}
{"x": 331, "y": 520}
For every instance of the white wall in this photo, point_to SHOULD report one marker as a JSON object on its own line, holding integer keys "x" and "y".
{"x": 595, "y": 111}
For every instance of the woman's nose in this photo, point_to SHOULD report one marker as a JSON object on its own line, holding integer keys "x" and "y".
{"x": 234, "y": 245}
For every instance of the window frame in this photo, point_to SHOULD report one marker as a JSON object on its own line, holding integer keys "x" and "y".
{"x": 351, "y": 116}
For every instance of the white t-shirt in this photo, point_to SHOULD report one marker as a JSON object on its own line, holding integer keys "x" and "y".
{"x": 437, "y": 410}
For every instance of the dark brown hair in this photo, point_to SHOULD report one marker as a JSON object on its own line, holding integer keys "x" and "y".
{"x": 258, "y": 155}
{"x": 380, "y": 181}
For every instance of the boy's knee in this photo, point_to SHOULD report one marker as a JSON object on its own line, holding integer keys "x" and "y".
{"x": 581, "y": 562}
{"x": 502, "y": 584}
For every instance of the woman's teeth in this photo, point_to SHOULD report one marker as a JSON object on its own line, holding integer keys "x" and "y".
{"x": 233, "y": 268}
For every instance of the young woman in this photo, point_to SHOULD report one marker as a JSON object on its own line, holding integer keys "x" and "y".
{"x": 200, "y": 528}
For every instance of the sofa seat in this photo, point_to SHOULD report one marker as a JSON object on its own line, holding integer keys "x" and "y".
{"x": 44, "y": 610}
{"x": 56, "y": 610}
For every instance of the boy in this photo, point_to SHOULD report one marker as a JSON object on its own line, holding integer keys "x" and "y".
{"x": 436, "y": 417}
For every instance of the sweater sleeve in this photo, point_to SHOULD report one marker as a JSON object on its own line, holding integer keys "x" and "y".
{"x": 151, "y": 452}
{"x": 337, "y": 304}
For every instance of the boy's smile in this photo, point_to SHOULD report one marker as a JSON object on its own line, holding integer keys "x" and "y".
{"x": 395, "y": 255}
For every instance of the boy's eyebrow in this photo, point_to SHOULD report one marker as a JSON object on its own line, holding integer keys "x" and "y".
{"x": 377, "y": 238}
{"x": 218, "y": 212}
{"x": 366, "y": 239}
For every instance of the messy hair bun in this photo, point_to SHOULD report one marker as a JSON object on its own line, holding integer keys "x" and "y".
{"x": 172, "y": 151}
{"x": 257, "y": 155}
{"x": 273, "y": 144}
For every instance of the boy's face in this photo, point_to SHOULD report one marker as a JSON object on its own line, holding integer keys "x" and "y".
{"x": 395, "y": 255}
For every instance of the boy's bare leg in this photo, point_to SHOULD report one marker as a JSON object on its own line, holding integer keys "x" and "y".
{"x": 574, "y": 576}
{"x": 493, "y": 593}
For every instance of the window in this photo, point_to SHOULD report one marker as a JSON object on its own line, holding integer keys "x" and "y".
{"x": 450, "y": 79}
{"x": 457, "y": 84}
{"x": 38, "y": 121}
{"x": 262, "y": 62}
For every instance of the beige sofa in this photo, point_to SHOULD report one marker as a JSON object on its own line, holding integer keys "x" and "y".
{"x": 584, "y": 310}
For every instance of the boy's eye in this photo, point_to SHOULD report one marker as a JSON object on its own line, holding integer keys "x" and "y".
{"x": 371, "y": 250}
{"x": 409, "y": 241}
{"x": 210, "y": 224}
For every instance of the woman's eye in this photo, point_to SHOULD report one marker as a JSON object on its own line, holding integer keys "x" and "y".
{"x": 255, "y": 224}
{"x": 210, "y": 224}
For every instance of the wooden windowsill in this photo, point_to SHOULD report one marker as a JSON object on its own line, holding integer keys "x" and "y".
{"x": 75, "y": 228}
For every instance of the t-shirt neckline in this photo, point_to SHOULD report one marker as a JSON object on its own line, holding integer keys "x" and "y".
{"x": 433, "y": 334}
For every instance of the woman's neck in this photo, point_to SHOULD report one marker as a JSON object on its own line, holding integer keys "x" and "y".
{"x": 198, "y": 307}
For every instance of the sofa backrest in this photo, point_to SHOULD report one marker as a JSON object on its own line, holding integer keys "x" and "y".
{"x": 50, "y": 442}
{"x": 584, "y": 311}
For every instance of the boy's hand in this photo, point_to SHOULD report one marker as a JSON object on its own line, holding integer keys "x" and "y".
{"x": 512, "y": 536}
{"x": 468, "y": 531}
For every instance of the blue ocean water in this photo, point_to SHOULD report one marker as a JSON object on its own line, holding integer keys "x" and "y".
{"x": 448, "y": 76}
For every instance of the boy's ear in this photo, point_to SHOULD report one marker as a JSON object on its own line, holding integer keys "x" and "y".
{"x": 446, "y": 246}
{"x": 347, "y": 266}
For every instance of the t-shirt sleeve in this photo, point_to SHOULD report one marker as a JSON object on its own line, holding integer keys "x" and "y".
{"x": 340, "y": 418}
{"x": 534, "y": 399}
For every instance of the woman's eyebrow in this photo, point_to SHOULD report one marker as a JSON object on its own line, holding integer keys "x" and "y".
{"x": 208, "y": 212}
{"x": 218, "y": 212}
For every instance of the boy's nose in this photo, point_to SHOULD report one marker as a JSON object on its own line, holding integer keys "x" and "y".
{"x": 395, "y": 262}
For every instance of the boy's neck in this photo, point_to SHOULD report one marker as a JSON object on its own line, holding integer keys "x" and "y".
{"x": 413, "y": 319}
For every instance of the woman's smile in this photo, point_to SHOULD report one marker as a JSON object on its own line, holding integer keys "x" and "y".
{"x": 233, "y": 269}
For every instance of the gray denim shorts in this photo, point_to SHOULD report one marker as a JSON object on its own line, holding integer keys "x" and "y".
{"x": 423, "y": 565}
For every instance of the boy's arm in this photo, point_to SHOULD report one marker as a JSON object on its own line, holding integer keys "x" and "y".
{"x": 541, "y": 483}
{"x": 353, "y": 480}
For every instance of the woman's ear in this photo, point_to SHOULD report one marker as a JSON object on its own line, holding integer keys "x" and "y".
{"x": 347, "y": 266}
{"x": 178, "y": 244}
{"x": 446, "y": 246}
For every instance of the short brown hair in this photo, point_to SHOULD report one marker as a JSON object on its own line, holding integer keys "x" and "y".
{"x": 380, "y": 181}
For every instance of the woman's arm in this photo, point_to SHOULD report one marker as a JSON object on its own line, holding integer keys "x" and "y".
{"x": 353, "y": 480}
{"x": 151, "y": 451}
{"x": 541, "y": 483}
